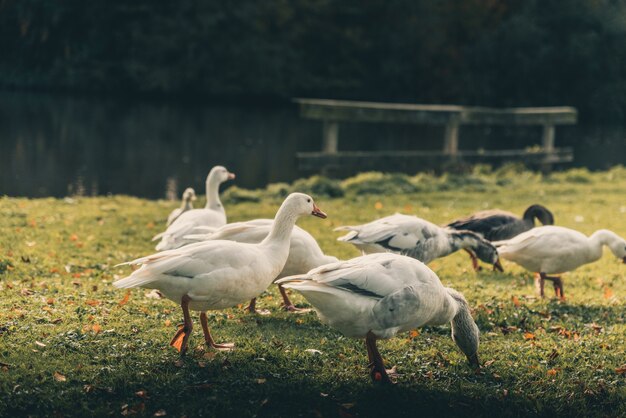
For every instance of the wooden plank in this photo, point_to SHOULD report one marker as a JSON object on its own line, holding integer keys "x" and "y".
{"x": 378, "y": 160}
{"x": 330, "y": 137}
{"x": 451, "y": 139}
{"x": 548, "y": 138}
{"x": 355, "y": 111}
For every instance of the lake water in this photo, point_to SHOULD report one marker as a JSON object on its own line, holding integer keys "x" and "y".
{"x": 55, "y": 146}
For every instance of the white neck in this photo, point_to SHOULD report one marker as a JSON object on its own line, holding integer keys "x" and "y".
{"x": 282, "y": 227}
{"x": 213, "y": 195}
{"x": 605, "y": 237}
{"x": 464, "y": 330}
{"x": 186, "y": 204}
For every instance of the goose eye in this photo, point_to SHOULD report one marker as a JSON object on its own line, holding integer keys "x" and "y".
{"x": 308, "y": 200}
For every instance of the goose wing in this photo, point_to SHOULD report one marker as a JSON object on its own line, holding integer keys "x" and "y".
{"x": 394, "y": 233}
{"x": 491, "y": 224}
{"x": 385, "y": 293}
{"x": 189, "y": 262}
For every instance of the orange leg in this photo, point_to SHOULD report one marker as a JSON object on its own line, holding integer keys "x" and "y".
{"x": 181, "y": 338}
{"x": 207, "y": 335}
{"x": 251, "y": 308}
{"x": 539, "y": 283}
{"x": 287, "y": 305}
{"x": 378, "y": 373}
{"x": 557, "y": 283}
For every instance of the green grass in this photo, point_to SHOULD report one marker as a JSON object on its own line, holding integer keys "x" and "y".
{"x": 59, "y": 313}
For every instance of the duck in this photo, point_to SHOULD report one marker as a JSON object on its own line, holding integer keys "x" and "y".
{"x": 189, "y": 195}
{"x": 304, "y": 252}
{"x": 377, "y": 296}
{"x": 498, "y": 225}
{"x": 553, "y": 249}
{"x": 219, "y": 274}
{"x": 212, "y": 215}
{"x": 417, "y": 238}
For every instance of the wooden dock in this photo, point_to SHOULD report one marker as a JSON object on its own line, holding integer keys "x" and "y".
{"x": 333, "y": 112}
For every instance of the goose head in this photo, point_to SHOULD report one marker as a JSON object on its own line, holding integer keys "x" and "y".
{"x": 189, "y": 195}
{"x": 465, "y": 332}
{"x": 300, "y": 204}
{"x": 489, "y": 254}
{"x": 219, "y": 174}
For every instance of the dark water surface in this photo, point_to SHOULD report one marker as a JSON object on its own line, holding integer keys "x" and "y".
{"x": 55, "y": 146}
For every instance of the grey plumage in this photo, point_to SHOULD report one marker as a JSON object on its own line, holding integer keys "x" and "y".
{"x": 497, "y": 225}
{"x": 416, "y": 238}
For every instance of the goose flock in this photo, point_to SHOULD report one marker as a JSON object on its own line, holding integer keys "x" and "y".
{"x": 202, "y": 263}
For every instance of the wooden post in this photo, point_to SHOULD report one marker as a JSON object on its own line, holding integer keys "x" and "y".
{"x": 451, "y": 139}
{"x": 330, "y": 137}
{"x": 548, "y": 146}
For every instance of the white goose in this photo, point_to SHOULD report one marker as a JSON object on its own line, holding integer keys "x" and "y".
{"x": 212, "y": 215}
{"x": 555, "y": 249}
{"x": 304, "y": 252}
{"x": 417, "y": 238}
{"x": 219, "y": 274}
{"x": 379, "y": 295}
{"x": 189, "y": 195}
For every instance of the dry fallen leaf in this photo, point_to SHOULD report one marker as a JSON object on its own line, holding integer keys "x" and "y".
{"x": 516, "y": 301}
{"x": 414, "y": 333}
{"x": 529, "y": 336}
{"x": 608, "y": 293}
{"x": 552, "y": 372}
{"x": 93, "y": 302}
{"x": 179, "y": 363}
{"x": 125, "y": 299}
{"x": 142, "y": 394}
{"x": 40, "y": 344}
{"x": 59, "y": 377}
{"x": 261, "y": 381}
{"x": 621, "y": 369}
{"x": 160, "y": 413}
{"x": 96, "y": 328}
{"x": 73, "y": 237}
{"x": 378, "y": 205}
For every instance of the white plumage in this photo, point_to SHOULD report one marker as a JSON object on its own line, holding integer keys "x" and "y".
{"x": 220, "y": 274}
{"x": 379, "y": 295}
{"x": 555, "y": 249}
{"x": 417, "y": 238}
{"x": 212, "y": 215}
{"x": 304, "y": 251}
{"x": 189, "y": 195}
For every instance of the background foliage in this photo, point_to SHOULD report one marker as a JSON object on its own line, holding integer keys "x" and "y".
{"x": 482, "y": 52}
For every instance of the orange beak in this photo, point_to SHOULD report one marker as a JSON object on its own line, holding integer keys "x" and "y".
{"x": 231, "y": 176}
{"x": 317, "y": 212}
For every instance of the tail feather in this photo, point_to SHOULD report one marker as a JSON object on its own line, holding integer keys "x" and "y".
{"x": 349, "y": 236}
{"x": 344, "y": 228}
{"x": 138, "y": 278}
{"x": 296, "y": 278}
{"x": 204, "y": 228}
{"x": 197, "y": 237}
{"x": 158, "y": 236}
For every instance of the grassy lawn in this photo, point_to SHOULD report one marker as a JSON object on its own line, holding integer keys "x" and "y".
{"x": 73, "y": 345}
